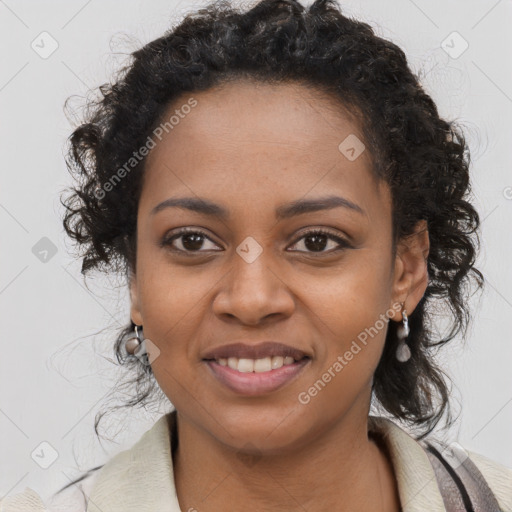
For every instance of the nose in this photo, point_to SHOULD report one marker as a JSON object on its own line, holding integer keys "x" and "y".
{"x": 252, "y": 292}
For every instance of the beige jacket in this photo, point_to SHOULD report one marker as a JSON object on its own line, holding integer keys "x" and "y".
{"x": 141, "y": 478}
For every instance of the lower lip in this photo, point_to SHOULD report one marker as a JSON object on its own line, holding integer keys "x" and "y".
{"x": 256, "y": 383}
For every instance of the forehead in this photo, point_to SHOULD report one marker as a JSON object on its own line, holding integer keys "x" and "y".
{"x": 244, "y": 138}
{"x": 248, "y": 112}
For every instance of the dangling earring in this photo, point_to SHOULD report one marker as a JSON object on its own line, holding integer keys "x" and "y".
{"x": 403, "y": 352}
{"x": 134, "y": 342}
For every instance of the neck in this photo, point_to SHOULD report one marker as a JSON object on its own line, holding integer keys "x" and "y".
{"x": 343, "y": 469}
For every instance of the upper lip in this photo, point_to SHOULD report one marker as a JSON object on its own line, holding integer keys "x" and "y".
{"x": 258, "y": 351}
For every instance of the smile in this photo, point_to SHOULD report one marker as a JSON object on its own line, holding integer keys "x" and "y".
{"x": 253, "y": 377}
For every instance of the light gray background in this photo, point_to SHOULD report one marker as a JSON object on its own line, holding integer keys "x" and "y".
{"x": 57, "y": 334}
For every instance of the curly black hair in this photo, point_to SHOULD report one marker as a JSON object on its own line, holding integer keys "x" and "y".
{"x": 423, "y": 158}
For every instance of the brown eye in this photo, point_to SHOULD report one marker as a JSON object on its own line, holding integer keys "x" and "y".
{"x": 316, "y": 241}
{"x": 189, "y": 240}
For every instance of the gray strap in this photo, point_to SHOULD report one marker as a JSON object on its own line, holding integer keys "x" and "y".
{"x": 462, "y": 485}
{"x": 450, "y": 492}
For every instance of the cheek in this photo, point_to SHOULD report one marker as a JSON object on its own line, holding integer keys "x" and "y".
{"x": 351, "y": 312}
{"x": 175, "y": 305}
{"x": 171, "y": 299}
{"x": 173, "y": 312}
{"x": 353, "y": 296}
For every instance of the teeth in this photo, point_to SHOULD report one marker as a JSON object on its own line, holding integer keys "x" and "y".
{"x": 261, "y": 365}
{"x": 256, "y": 365}
{"x": 277, "y": 362}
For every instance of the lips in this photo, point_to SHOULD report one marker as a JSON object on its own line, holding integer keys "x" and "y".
{"x": 258, "y": 351}
{"x": 256, "y": 384}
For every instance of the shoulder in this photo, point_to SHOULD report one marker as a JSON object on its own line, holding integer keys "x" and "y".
{"x": 497, "y": 476}
{"x": 412, "y": 461}
{"x": 478, "y": 474}
{"x": 27, "y": 501}
{"x": 69, "y": 499}
{"x": 74, "y": 498}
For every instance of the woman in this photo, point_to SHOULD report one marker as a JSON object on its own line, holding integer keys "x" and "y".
{"x": 288, "y": 208}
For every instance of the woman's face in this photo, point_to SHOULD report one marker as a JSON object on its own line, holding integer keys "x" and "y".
{"x": 258, "y": 272}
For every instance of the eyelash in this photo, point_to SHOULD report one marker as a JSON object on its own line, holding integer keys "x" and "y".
{"x": 343, "y": 244}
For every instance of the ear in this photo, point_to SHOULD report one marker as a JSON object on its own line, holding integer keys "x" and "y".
{"x": 410, "y": 278}
{"x": 135, "y": 310}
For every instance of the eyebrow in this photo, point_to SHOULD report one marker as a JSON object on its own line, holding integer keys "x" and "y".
{"x": 284, "y": 211}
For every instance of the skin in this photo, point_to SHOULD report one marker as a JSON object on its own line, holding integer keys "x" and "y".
{"x": 250, "y": 148}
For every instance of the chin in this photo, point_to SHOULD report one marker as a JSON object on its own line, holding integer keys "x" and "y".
{"x": 269, "y": 430}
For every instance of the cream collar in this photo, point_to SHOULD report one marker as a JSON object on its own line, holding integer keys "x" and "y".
{"x": 142, "y": 479}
